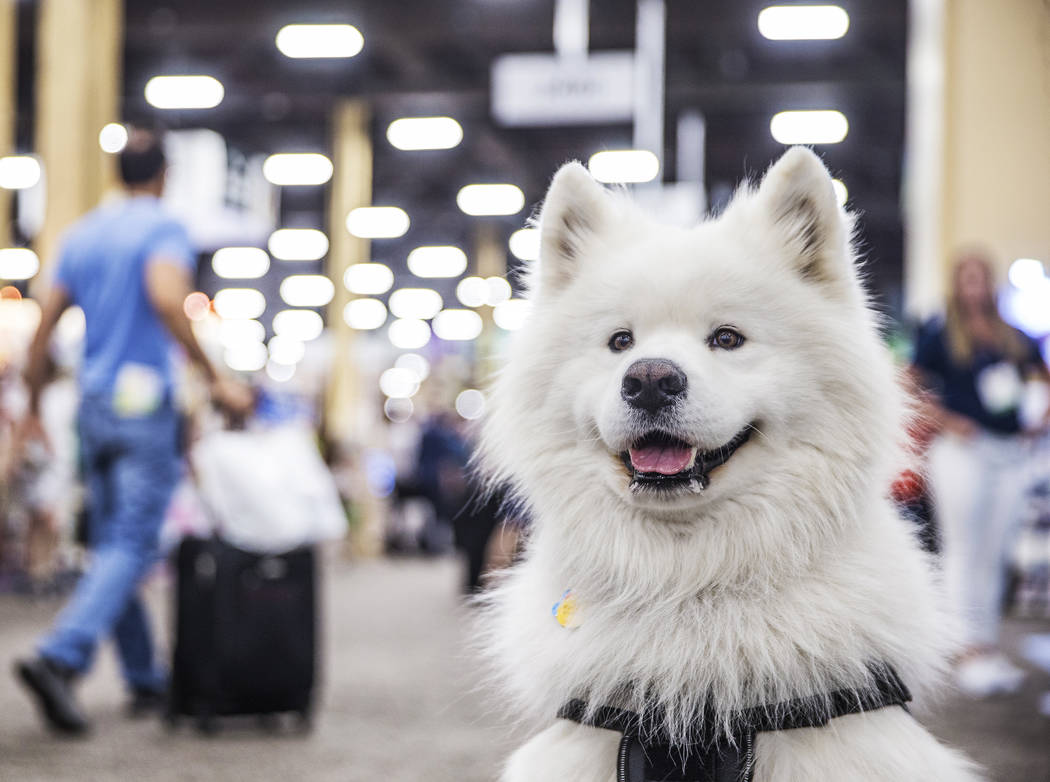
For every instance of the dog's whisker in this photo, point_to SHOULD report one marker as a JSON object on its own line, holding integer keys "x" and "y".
{"x": 754, "y": 428}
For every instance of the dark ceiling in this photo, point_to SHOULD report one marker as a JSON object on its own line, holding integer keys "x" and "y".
{"x": 434, "y": 56}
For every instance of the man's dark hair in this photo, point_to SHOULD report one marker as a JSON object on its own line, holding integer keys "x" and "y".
{"x": 142, "y": 158}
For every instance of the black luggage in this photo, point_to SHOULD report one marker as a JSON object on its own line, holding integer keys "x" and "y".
{"x": 245, "y": 632}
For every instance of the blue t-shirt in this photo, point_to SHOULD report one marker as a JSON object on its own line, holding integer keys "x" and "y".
{"x": 987, "y": 390}
{"x": 102, "y": 266}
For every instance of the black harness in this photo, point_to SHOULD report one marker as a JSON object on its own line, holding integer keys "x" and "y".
{"x": 646, "y": 753}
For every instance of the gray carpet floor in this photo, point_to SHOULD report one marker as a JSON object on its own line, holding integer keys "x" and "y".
{"x": 400, "y": 701}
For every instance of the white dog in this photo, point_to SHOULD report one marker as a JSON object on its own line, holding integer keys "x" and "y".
{"x": 704, "y": 425}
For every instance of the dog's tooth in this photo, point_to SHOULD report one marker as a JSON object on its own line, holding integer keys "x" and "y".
{"x": 692, "y": 458}
{"x": 695, "y": 486}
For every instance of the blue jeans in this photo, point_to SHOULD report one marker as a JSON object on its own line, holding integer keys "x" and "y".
{"x": 131, "y": 466}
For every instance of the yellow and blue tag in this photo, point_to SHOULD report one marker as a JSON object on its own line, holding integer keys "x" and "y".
{"x": 565, "y": 611}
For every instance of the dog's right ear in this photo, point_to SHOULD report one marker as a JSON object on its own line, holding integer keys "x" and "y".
{"x": 574, "y": 211}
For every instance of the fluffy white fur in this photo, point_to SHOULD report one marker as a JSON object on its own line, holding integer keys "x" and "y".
{"x": 788, "y": 574}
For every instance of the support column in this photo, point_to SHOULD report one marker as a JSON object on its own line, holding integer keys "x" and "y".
{"x": 490, "y": 260}
{"x": 348, "y": 416}
{"x": 978, "y": 169}
{"x": 78, "y": 87}
{"x": 351, "y": 187}
{"x": 8, "y": 103}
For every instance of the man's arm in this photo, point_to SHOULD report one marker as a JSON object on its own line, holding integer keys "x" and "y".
{"x": 167, "y": 286}
{"x": 36, "y": 366}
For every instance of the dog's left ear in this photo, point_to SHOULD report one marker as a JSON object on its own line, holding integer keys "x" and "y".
{"x": 797, "y": 193}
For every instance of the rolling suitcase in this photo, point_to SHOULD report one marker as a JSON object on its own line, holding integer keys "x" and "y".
{"x": 245, "y": 633}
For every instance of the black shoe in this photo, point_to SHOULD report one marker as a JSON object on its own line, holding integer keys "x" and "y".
{"x": 146, "y": 703}
{"x": 51, "y": 684}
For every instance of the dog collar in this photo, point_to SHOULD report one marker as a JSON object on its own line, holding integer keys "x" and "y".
{"x": 711, "y": 755}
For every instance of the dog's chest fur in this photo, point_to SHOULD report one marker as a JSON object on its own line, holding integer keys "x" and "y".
{"x": 726, "y": 648}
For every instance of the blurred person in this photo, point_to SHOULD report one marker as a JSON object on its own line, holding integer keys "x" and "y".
{"x": 441, "y": 477}
{"x": 474, "y": 526}
{"x": 976, "y": 368}
{"x": 129, "y": 266}
{"x": 46, "y": 477}
{"x": 8, "y": 427}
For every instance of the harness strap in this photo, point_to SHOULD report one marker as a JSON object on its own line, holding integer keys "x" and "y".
{"x": 816, "y": 711}
{"x": 646, "y": 751}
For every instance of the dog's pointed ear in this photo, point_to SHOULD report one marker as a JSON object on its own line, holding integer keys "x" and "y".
{"x": 798, "y": 194}
{"x": 574, "y": 212}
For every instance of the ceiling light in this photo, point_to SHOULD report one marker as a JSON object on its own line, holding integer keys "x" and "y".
{"x": 307, "y": 290}
{"x": 239, "y": 303}
{"x": 437, "y": 261}
{"x": 398, "y": 410}
{"x": 240, "y": 262}
{"x": 421, "y": 303}
{"x": 624, "y": 165}
{"x": 490, "y": 199}
{"x": 248, "y": 357}
{"x": 803, "y": 22}
{"x": 377, "y": 222}
{"x": 841, "y": 193}
{"x": 285, "y": 350}
{"x": 302, "y": 325}
{"x": 297, "y": 168}
{"x": 525, "y": 244}
{"x": 414, "y": 362}
{"x": 408, "y": 333}
{"x": 184, "y": 92}
{"x": 399, "y": 383}
{"x": 280, "y": 373}
{"x": 368, "y": 278}
{"x": 18, "y": 263}
{"x": 470, "y": 404}
{"x": 113, "y": 138}
{"x": 497, "y": 290}
{"x": 809, "y": 127}
{"x": 472, "y": 291}
{"x": 302, "y": 41}
{"x": 18, "y": 172}
{"x": 236, "y": 332}
{"x": 511, "y": 314}
{"x": 1023, "y": 273}
{"x": 298, "y": 244}
{"x": 364, "y": 314}
{"x": 424, "y": 133}
{"x": 457, "y": 324}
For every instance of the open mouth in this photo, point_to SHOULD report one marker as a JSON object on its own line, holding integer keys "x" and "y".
{"x": 660, "y": 462}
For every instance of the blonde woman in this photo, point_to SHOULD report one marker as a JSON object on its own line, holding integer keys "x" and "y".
{"x": 978, "y": 369}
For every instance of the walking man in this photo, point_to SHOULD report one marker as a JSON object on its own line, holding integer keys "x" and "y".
{"x": 129, "y": 266}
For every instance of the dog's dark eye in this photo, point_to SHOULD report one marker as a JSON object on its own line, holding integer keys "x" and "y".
{"x": 620, "y": 341}
{"x": 726, "y": 338}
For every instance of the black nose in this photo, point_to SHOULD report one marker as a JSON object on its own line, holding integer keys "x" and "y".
{"x": 652, "y": 383}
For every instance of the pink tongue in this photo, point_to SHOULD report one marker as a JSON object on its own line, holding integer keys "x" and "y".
{"x": 663, "y": 459}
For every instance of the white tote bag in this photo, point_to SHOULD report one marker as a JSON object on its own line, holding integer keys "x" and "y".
{"x": 268, "y": 489}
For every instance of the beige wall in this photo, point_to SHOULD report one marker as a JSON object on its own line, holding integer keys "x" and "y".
{"x": 991, "y": 186}
{"x": 997, "y": 146}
